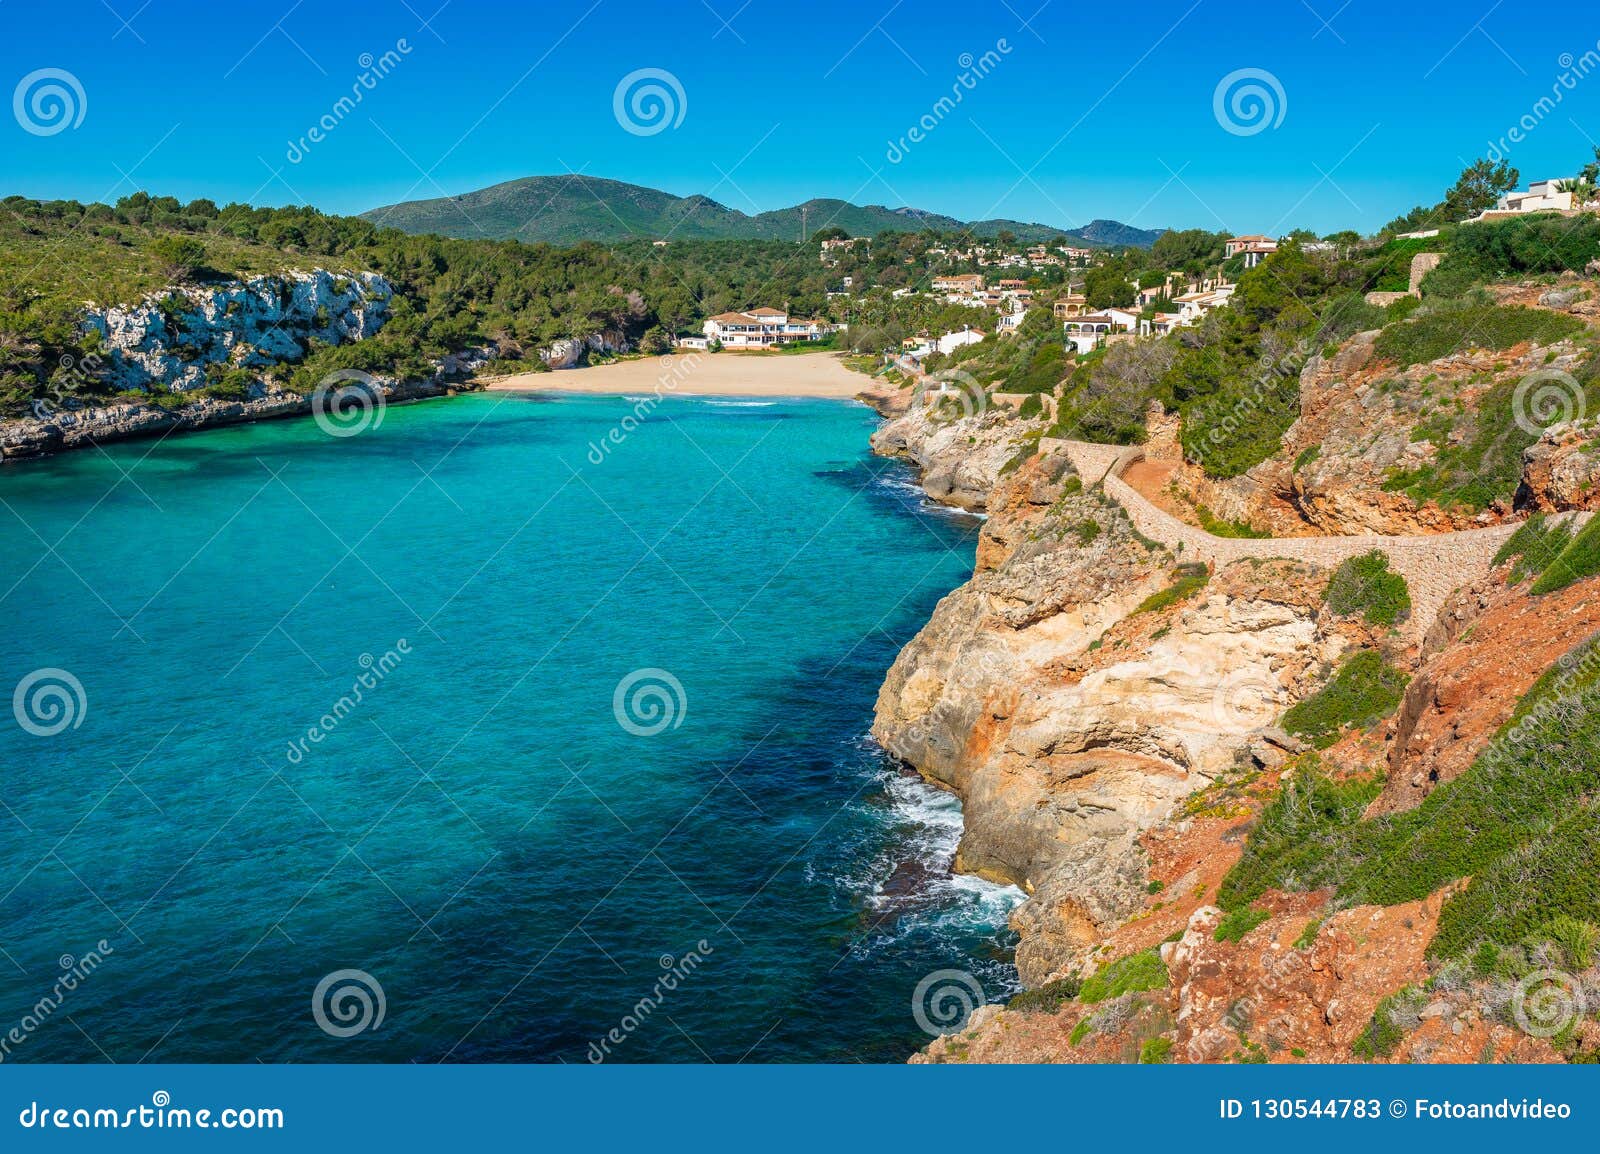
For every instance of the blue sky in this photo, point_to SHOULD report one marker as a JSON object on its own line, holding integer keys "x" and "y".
{"x": 1082, "y": 112}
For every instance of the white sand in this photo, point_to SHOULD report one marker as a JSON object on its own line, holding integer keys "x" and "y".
{"x": 687, "y": 374}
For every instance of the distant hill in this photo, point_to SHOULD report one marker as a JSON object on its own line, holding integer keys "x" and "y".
{"x": 567, "y": 209}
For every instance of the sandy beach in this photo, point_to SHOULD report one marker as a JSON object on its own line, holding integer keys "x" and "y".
{"x": 690, "y": 374}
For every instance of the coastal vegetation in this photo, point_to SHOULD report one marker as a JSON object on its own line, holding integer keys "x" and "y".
{"x": 1537, "y": 542}
{"x": 1363, "y": 691}
{"x": 1522, "y": 823}
{"x": 1441, "y": 329}
{"x": 1187, "y": 580}
{"x": 1127, "y": 975}
{"x": 450, "y": 294}
{"x": 1579, "y": 558}
{"x": 1367, "y": 585}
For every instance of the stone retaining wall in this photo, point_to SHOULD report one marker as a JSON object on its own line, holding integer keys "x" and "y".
{"x": 1434, "y": 566}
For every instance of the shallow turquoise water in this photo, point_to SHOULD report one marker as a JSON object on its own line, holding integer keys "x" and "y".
{"x": 479, "y": 833}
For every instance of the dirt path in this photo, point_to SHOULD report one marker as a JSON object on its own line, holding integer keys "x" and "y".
{"x": 1152, "y": 480}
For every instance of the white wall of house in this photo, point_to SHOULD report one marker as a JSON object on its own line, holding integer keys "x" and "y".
{"x": 950, "y": 342}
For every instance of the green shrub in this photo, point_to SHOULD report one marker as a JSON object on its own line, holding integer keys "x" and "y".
{"x": 1576, "y": 937}
{"x": 1136, "y": 972}
{"x": 1537, "y": 542}
{"x": 1155, "y": 1051}
{"x": 1308, "y": 936}
{"x": 1307, "y": 455}
{"x": 1188, "y": 582}
{"x": 1219, "y": 527}
{"x": 1449, "y": 328}
{"x": 1517, "y": 246}
{"x": 1523, "y": 823}
{"x": 1305, "y": 825}
{"x": 1363, "y": 692}
{"x": 1392, "y": 263}
{"x": 1579, "y": 559}
{"x": 1238, "y": 923}
{"x": 1031, "y": 407}
{"x": 1486, "y": 465}
{"x": 1048, "y": 998}
{"x": 1367, "y": 585}
{"x": 1384, "y": 1034}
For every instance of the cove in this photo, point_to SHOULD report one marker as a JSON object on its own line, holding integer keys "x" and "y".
{"x": 555, "y": 751}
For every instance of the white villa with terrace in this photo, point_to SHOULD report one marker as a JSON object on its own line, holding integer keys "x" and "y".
{"x": 1541, "y": 196}
{"x": 762, "y": 328}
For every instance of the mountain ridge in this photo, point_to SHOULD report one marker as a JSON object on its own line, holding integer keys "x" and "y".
{"x": 572, "y": 208}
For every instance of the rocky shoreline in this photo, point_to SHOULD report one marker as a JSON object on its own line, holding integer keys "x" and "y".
{"x": 1069, "y": 723}
{"x": 28, "y": 439}
{"x": 1107, "y": 705}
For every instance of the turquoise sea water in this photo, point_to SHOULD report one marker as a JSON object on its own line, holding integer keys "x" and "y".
{"x": 505, "y": 848}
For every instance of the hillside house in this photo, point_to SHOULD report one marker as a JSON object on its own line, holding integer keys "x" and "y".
{"x": 1541, "y": 196}
{"x": 964, "y": 283}
{"x": 762, "y": 328}
{"x": 1071, "y": 305}
{"x": 950, "y": 342}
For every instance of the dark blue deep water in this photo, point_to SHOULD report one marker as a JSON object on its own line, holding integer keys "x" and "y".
{"x": 183, "y": 863}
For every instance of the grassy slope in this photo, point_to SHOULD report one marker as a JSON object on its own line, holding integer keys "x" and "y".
{"x": 112, "y": 263}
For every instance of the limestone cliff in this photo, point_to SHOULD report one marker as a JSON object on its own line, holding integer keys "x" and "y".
{"x": 1068, "y": 721}
{"x": 167, "y": 340}
{"x": 1103, "y": 694}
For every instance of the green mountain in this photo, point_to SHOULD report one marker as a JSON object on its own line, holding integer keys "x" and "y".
{"x": 567, "y": 209}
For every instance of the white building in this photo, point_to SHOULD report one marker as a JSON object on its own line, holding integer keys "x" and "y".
{"x": 761, "y": 328}
{"x": 950, "y": 342}
{"x": 1540, "y": 197}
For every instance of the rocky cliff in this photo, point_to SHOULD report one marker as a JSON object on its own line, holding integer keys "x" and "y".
{"x": 1069, "y": 720}
{"x": 172, "y": 342}
{"x": 1105, "y": 694}
{"x": 167, "y": 341}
